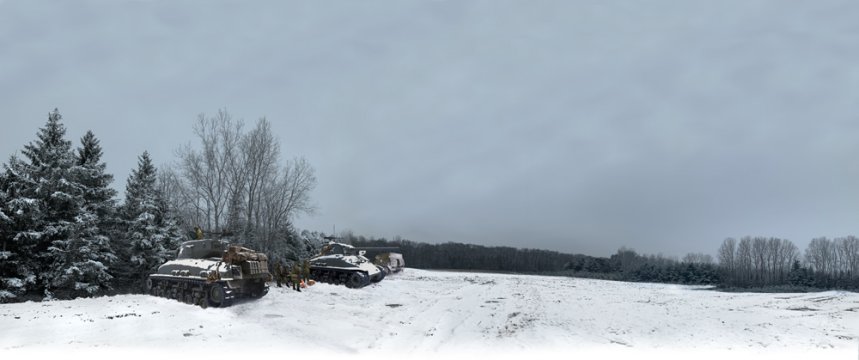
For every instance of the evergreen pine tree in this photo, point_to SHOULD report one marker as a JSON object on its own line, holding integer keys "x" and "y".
{"x": 151, "y": 235}
{"x": 5, "y": 220}
{"x": 90, "y": 172}
{"x": 53, "y": 207}
{"x": 56, "y": 195}
{"x": 8, "y": 263}
{"x": 83, "y": 270}
{"x": 800, "y": 275}
{"x": 18, "y": 264}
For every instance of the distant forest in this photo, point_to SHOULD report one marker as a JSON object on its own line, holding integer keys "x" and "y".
{"x": 751, "y": 263}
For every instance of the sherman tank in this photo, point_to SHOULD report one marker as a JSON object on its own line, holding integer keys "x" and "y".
{"x": 343, "y": 264}
{"x": 211, "y": 272}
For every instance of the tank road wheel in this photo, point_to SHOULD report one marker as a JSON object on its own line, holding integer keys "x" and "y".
{"x": 149, "y": 286}
{"x": 356, "y": 280}
{"x": 217, "y": 294}
{"x": 258, "y": 290}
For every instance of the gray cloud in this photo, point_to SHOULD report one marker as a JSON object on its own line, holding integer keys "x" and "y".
{"x": 572, "y": 126}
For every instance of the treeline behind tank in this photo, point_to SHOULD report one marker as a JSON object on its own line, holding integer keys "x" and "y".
{"x": 468, "y": 256}
{"x": 750, "y": 263}
{"x": 624, "y": 265}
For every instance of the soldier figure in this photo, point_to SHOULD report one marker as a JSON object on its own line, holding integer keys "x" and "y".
{"x": 288, "y": 276}
{"x": 305, "y": 271}
{"x": 278, "y": 273}
{"x": 296, "y": 277}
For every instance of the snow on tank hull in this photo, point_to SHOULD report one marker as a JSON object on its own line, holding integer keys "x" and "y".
{"x": 211, "y": 273}
{"x": 354, "y": 271}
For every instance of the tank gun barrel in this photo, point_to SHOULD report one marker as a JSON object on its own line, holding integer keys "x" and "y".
{"x": 379, "y": 248}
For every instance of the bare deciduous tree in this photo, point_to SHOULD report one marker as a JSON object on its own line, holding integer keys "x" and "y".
{"x": 848, "y": 255}
{"x": 260, "y": 152}
{"x": 821, "y": 255}
{"x": 209, "y": 172}
{"x": 726, "y": 255}
{"x": 757, "y": 261}
{"x": 744, "y": 260}
{"x": 234, "y": 181}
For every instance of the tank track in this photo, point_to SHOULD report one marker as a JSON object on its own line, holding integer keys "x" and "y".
{"x": 192, "y": 291}
{"x": 351, "y": 279}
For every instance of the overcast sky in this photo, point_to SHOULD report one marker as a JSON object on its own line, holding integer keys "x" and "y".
{"x": 577, "y": 126}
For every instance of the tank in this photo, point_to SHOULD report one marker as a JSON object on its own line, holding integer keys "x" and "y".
{"x": 211, "y": 272}
{"x": 343, "y": 264}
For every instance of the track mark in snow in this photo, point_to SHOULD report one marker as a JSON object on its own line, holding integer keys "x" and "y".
{"x": 822, "y": 299}
{"x": 619, "y": 342}
{"x": 111, "y": 317}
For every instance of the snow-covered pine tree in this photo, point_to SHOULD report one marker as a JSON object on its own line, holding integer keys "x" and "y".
{"x": 90, "y": 172}
{"x": 83, "y": 271}
{"x": 150, "y": 233}
{"x": 18, "y": 263}
{"x": 312, "y": 242}
{"x": 5, "y": 220}
{"x": 50, "y": 160}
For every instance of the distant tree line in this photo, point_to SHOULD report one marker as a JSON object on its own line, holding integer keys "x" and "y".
{"x": 63, "y": 233}
{"x": 750, "y": 263}
{"x": 467, "y": 256}
{"x": 626, "y": 265}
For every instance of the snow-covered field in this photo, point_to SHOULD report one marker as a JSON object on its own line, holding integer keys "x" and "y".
{"x": 426, "y": 313}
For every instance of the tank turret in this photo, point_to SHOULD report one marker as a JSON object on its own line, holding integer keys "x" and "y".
{"x": 210, "y": 272}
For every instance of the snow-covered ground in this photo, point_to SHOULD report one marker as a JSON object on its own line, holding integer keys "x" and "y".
{"x": 426, "y": 313}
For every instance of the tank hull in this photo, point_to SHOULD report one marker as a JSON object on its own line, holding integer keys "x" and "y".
{"x": 216, "y": 282}
{"x": 350, "y": 270}
{"x": 204, "y": 292}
